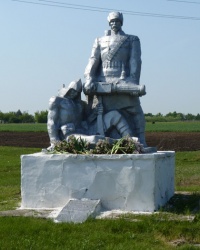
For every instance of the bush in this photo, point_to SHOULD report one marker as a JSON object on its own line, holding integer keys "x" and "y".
{"x": 73, "y": 145}
{"x": 41, "y": 117}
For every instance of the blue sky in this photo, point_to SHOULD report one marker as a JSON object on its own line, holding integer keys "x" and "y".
{"x": 43, "y": 47}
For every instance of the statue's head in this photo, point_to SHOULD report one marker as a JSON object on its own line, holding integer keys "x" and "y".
{"x": 115, "y": 16}
{"x": 72, "y": 91}
{"x": 76, "y": 85}
{"x": 115, "y": 20}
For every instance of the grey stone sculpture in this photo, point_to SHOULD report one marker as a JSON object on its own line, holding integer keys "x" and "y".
{"x": 65, "y": 112}
{"x": 68, "y": 114}
{"x": 112, "y": 91}
{"x": 112, "y": 76}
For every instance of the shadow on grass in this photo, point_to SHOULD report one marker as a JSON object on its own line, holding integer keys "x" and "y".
{"x": 183, "y": 203}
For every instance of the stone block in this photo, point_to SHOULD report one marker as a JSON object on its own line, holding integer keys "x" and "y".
{"x": 138, "y": 182}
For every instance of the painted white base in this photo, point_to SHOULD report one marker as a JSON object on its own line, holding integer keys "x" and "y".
{"x": 125, "y": 182}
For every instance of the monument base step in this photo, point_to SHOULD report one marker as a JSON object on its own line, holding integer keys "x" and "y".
{"x": 78, "y": 211}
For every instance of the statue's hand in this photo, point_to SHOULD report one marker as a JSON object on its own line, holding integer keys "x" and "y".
{"x": 68, "y": 128}
{"x": 89, "y": 87}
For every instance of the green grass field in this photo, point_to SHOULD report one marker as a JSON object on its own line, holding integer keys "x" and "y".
{"x": 128, "y": 233}
{"x": 173, "y": 127}
{"x": 23, "y": 127}
{"x": 10, "y": 175}
{"x": 150, "y": 127}
{"x": 168, "y": 229}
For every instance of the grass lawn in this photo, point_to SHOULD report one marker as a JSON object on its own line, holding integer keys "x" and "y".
{"x": 169, "y": 229}
{"x": 10, "y": 175}
{"x": 188, "y": 171}
{"x": 173, "y": 127}
{"x": 23, "y": 127}
{"x": 130, "y": 232}
{"x": 150, "y": 127}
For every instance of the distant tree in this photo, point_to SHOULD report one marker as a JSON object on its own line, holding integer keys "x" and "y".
{"x": 27, "y": 118}
{"x": 174, "y": 116}
{"x": 182, "y": 116}
{"x": 18, "y": 113}
{"x": 16, "y": 117}
{"x": 2, "y": 116}
{"x": 41, "y": 117}
{"x": 13, "y": 118}
{"x": 170, "y": 114}
{"x": 197, "y": 117}
{"x": 148, "y": 114}
{"x": 190, "y": 117}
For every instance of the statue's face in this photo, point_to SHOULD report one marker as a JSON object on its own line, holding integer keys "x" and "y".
{"x": 115, "y": 25}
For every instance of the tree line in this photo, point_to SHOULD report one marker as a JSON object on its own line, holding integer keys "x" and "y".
{"x": 41, "y": 117}
{"x": 23, "y": 117}
{"x": 171, "y": 117}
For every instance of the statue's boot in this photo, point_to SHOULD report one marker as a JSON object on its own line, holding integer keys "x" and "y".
{"x": 138, "y": 124}
{"x": 141, "y": 137}
{"x": 114, "y": 118}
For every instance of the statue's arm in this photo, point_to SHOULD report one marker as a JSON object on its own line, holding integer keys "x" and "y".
{"x": 92, "y": 66}
{"x": 53, "y": 119}
{"x": 135, "y": 60}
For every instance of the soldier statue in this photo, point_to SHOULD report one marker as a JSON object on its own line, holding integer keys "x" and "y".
{"x": 113, "y": 73}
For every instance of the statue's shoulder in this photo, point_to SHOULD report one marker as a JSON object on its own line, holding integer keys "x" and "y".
{"x": 133, "y": 38}
{"x": 107, "y": 37}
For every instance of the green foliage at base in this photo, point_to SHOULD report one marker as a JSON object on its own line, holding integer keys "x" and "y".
{"x": 72, "y": 146}
{"x": 77, "y": 145}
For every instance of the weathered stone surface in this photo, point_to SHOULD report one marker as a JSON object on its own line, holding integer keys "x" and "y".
{"x": 79, "y": 210}
{"x": 125, "y": 182}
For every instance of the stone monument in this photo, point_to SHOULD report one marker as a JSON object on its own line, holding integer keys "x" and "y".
{"x": 112, "y": 109}
{"x": 112, "y": 91}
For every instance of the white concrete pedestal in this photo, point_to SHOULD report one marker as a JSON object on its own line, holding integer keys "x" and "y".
{"x": 125, "y": 182}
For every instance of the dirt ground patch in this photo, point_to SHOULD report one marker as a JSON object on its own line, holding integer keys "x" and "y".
{"x": 174, "y": 141}
{"x": 162, "y": 140}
